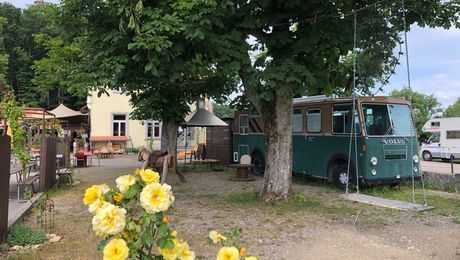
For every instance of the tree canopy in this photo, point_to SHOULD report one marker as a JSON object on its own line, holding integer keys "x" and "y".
{"x": 424, "y": 106}
{"x": 453, "y": 110}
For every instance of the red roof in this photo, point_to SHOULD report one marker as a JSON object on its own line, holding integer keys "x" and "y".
{"x": 109, "y": 138}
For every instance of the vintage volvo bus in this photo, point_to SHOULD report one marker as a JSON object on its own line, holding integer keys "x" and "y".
{"x": 385, "y": 138}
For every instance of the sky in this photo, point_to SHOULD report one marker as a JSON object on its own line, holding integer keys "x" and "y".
{"x": 434, "y": 61}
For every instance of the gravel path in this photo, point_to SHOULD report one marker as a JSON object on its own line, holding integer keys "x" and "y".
{"x": 315, "y": 225}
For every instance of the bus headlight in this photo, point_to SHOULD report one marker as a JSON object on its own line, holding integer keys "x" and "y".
{"x": 415, "y": 159}
{"x": 415, "y": 169}
{"x": 374, "y": 172}
{"x": 374, "y": 161}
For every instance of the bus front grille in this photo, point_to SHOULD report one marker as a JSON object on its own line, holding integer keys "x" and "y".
{"x": 395, "y": 156}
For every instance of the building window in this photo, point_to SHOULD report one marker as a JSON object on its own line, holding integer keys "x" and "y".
{"x": 244, "y": 124}
{"x": 436, "y": 124}
{"x": 118, "y": 90}
{"x": 314, "y": 120}
{"x": 453, "y": 134}
{"x": 153, "y": 129}
{"x": 119, "y": 125}
{"x": 297, "y": 120}
{"x": 341, "y": 119}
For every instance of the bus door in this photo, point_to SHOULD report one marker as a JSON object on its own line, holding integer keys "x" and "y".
{"x": 314, "y": 143}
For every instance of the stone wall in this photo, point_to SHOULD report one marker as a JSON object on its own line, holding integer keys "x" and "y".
{"x": 449, "y": 182}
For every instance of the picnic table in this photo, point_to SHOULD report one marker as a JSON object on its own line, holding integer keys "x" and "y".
{"x": 211, "y": 162}
{"x": 24, "y": 180}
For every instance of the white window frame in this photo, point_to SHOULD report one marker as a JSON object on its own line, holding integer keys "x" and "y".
{"x": 295, "y": 119}
{"x": 119, "y": 122}
{"x": 152, "y": 124}
{"x": 309, "y": 130}
{"x": 244, "y": 130}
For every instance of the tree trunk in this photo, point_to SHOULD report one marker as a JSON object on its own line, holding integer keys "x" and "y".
{"x": 277, "y": 117}
{"x": 169, "y": 144}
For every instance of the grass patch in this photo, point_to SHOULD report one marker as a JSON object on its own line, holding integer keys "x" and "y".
{"x": 302, "y": 179}
{"x": 443, "y": 206}
{"x": 246, "y": 197}
{"x": 23, "y": 235}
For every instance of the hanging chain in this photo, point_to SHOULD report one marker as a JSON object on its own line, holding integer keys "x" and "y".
{"x": 352, "y": 128}
{"x": 413, "y": 131}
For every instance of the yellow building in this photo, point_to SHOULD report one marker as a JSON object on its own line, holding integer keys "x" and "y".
{"x": 111, "y": 124}
{"x": 112, "y": 128}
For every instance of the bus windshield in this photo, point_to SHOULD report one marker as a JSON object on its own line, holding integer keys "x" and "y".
{"x": 387, "y": 120}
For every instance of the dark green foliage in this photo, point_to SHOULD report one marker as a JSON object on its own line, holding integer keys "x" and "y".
{"x": 453, "y": 110}
{"x": 23, "y": 235}
{"x": 424, "y": 106}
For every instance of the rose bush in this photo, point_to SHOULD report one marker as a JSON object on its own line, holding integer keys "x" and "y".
{"x": 131, "y": 218}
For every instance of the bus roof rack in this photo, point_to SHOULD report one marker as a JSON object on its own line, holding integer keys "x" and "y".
{"x": 311, "y": 99}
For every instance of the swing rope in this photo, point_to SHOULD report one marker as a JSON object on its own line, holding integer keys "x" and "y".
{"x": 413, "y": 132}
{"x": 352, "y": 128}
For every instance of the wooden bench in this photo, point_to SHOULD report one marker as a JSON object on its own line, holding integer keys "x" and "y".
{"x": 28, "y": 182}
{"x": 67, "y": 173}
{"x": 211, "y": 162}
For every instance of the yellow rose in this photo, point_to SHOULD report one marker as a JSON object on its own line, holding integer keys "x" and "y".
{"x": 104, "y": 188}
{"x": 184, "y": 252}
{"x": 156, "y": 197}
{"x": 117, "y": 197}
{"x": 174, "y": 233}
{"x": 98, "y": 204}
{"x": 150, "y": 176}
{"x": 109, "y": 220}
{"x": 228, "y": 253}
{"x": 251, "y": 258}
{"x": 124, "y": 182}
{"x": 137, "y": 171}
{"x": 216, "y": 237}
{"x": 170, "y": 254}
{"x": 116, "y": 249}
{"x": 92, "y": 194}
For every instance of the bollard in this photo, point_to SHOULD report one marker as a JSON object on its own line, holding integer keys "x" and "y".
{"x": 452, "y": 157}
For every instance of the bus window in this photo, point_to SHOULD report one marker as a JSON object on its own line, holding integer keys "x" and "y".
{"x": 341, "y": 119}
{"x": 297, "y": 120}
{"x": 392, "y": 119}
{"x": 314, "y": 120}
{"x": 244, "y": 124}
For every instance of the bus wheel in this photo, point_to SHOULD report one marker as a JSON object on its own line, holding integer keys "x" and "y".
{"x": 258, "y": 163}
{"x": 427, "y": 156}
{"x": 341, "y": 178}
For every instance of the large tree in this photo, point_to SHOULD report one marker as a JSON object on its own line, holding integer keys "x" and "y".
{"x": 306, "y": 47}
{"x": 425, "y": 107}
{"x": 453, "y": 110}
{"x": 158, "y": 52}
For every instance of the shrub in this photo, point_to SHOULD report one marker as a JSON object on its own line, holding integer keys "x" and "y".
{"x": 23, "y": 235}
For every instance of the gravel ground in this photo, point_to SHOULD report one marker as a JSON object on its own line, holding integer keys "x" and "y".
{"x": 314, "y": 225}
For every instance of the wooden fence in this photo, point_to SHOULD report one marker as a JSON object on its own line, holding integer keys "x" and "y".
{"x": 48, "y": 163}
{"x": 5, "y": 156}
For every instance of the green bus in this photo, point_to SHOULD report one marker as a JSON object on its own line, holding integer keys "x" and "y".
{"x": 321, "y": 137}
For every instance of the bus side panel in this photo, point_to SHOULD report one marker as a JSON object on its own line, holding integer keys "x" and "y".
{"x": 246, "y": 144}
{"x": 317, "y": 152}
{"x": 300, "y": 163}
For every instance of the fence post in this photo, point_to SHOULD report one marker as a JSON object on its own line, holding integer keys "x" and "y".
{"x": 47, "y": 163}
{"x": 5, "y": 156}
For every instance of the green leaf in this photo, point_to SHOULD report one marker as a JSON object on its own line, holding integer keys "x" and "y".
{"x": 147, "y": 238}
{"x": 169, "y": 244}
{"x": 161, "y": 243}
{"x": 101, "y": 244}
{"x": 163, "y": 230}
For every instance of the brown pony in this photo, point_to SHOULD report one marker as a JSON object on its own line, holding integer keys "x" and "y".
{"x": 159, "y": 161}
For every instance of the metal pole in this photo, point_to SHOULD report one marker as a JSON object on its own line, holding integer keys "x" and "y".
{"x": 452, "y": 157}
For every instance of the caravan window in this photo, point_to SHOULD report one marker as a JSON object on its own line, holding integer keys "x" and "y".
{"x": 436, "y": 124}
{"x": 297, "y": 120}
{"x": 453, "y": 134}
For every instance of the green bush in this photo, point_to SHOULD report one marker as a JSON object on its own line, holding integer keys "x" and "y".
{"x": 23, "y": 235}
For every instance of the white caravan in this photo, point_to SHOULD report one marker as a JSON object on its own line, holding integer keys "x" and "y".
{"x": 445, "y": 138}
